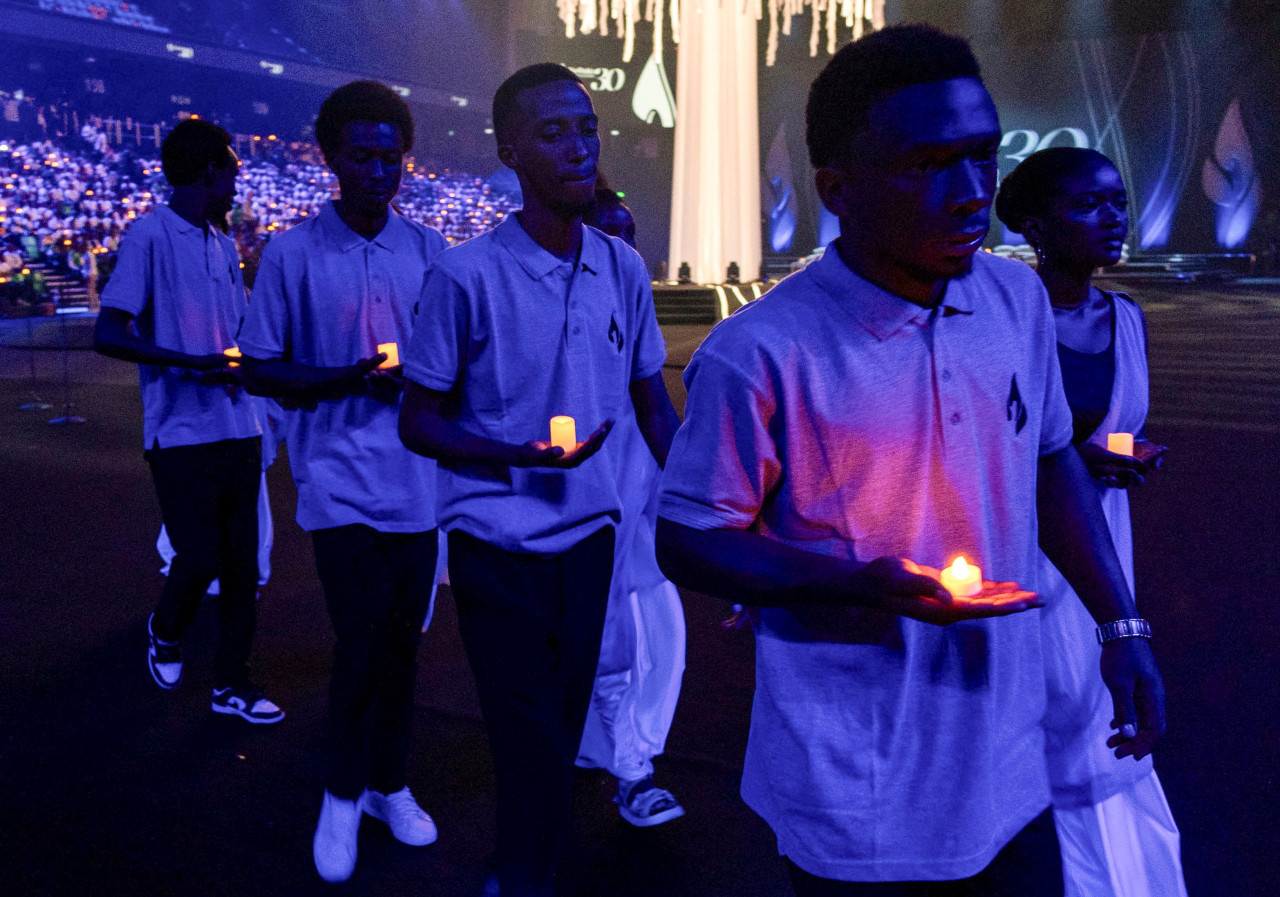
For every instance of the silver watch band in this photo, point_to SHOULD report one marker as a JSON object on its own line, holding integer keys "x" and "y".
{"x": 1135, "y": 627}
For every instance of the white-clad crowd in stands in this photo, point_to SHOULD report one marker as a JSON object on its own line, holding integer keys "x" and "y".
{"x": 77, "y": 199}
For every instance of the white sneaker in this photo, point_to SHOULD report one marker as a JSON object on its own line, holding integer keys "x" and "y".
{"x": 334, "y": 845}
{"x": 409, "y": 823}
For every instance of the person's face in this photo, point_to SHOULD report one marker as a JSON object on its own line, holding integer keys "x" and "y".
{"x": 914, "y": 200}
{"x": 368, "y": 164}
{"x": 1086, "y": 220}
{"x": 555, "y": 146}
{"x": 222, "y": 186}
{"x": 616, "y": 221}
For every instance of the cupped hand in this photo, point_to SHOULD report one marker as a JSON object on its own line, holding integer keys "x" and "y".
{"x": 1149, "y": 453}
{"x": 227, "y": 375}
{"x": 385, "y": 385}
{"x": 1109, "y": 469}
{"x": 537, "y": 453}
{"x": 913, "y": 590}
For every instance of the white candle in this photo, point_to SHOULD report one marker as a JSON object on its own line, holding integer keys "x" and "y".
{"x": 563, "y": 432}
{"x": 393, "y": 355}
{"x": 1120, "y": 443}
{"x": 962, "y": 579}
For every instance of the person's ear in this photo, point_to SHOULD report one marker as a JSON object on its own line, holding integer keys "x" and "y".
{"x": 507, "y": 155}
{"x": 832, "y": 183}
{"x": 1033, "y": 231}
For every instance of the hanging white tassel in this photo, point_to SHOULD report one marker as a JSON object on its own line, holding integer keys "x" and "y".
{"x": 586, "y": 16}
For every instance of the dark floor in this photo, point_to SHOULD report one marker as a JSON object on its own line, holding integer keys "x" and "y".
{"x": 109, "y": 786}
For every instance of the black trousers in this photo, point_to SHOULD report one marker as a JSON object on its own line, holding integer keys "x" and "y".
{"x": 209, "y": 501}
{"x": 1030, "y": 865}
{"x": 377, "y": 587}
{"x": 531, "y": 626}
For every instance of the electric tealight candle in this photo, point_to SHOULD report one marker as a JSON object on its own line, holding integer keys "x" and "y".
{"x": 233, "y": 352}
{"x": 563, "y": 432}
{"x": 962, "y": 579}
{"x": 393, "y": 355}
{"x": 1120, "y": 443}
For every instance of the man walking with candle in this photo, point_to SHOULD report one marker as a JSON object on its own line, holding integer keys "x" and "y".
{"x": 540, "y": 317}
{"x": 899, "y": 400}
{"x": 172, "y": 306}
{"x": 333, "y": 298}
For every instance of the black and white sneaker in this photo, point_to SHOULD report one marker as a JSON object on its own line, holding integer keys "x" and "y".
{"x": 164, "y": 659}
{"x": 248, "y": 704}
{"x": 642, "y": 803}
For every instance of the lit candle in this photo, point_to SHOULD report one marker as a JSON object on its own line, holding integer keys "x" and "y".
{"x": 233, "y": 352}
{"x": 1120, "y": 443}
{"x": 563, "y": 432}
{"x": 393, "y": 355}
{"x": 962, "y": 579}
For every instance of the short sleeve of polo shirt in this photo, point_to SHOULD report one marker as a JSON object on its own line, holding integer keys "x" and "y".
{"x": 650, "y": 349}
{"x": 264, "y": 332}
{"x": 723, "y": 463}
{"x": 435, "y": 356}
{"x": 1055, "y": 428}
{"x": 130, "y": 286}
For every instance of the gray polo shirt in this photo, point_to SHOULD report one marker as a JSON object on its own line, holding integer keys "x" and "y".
{"x": 183, "y": 285}
{"x": 840, "y": 419}
{"x": 326, "y": 296}
{"x": 524, "y": 336}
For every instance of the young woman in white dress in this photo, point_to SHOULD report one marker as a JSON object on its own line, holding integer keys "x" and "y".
{"x": 1117, "y": 834}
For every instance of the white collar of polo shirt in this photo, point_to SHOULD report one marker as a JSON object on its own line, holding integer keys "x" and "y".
{"x": 390, "y": 238}
{"x": 536, "y": 260}
{"x": 183, "y": 225}
{"x": 876, "y": 310}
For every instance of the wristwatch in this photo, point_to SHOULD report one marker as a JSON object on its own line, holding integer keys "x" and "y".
{"x": 1135, "y": 627}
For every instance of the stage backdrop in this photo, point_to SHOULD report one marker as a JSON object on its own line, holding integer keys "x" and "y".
{"x": 636, "y": 104}
{"x": 1190, "y": 117}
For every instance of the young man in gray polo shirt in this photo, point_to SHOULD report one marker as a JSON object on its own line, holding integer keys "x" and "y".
{"x": 328, "y": 293}
{"x": 173, "y": 305}
{"x": 540, "y": 317}
{"x": 898, "y": 401}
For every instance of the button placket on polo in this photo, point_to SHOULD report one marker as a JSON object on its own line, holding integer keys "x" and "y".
{"x": 950, "y": 402}
{"x": 377, "y": 289}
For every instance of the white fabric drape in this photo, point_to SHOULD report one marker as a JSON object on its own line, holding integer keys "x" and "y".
{"x": 715, "y": 195}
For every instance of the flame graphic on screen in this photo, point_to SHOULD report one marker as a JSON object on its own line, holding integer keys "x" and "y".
{"x": 1230, "y": 180}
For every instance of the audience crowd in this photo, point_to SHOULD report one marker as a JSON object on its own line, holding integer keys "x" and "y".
{"x": 65, "y": 202}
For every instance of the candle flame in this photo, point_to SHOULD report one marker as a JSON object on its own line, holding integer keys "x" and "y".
{"x": 960, "y": 569}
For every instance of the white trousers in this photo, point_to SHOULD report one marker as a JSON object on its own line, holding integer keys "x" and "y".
{"x": 637, "y": 682}
{"x": 1126, "y": 846}
{"x": 266, "y": 538}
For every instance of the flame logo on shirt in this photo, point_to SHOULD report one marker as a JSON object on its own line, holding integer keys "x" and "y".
{"x": 1014, "y": 407}
{"x": 615, "y": 333}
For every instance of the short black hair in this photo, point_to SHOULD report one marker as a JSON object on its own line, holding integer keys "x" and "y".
{"x": 191, "y": 147}
{"x": 1025, "y": 192}
{"x": 362, "y": 101}
{"x": 506, "y": 105}
{"x": 865, "y": 70}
